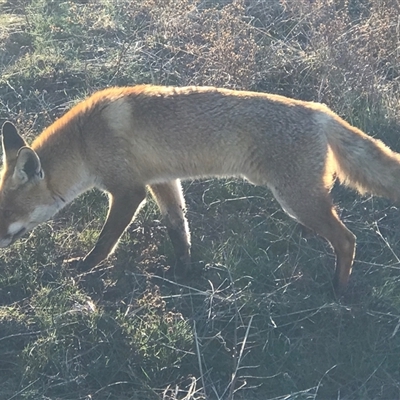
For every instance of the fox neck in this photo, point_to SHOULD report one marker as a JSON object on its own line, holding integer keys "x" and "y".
{"x": 63, "y": 161}
{"x": 66, "y": 173}
{"x": 67, "y": 187}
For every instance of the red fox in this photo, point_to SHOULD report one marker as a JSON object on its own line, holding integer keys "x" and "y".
{"x": 123, "y": 140}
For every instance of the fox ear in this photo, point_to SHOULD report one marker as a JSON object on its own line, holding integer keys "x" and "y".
{"x": 12, "y": 141}
{"x": 27, "y": 166}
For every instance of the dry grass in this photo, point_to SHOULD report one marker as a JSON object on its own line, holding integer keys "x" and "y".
{"x": 258, "y": 320}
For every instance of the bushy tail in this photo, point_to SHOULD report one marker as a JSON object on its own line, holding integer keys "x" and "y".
{"x": 363, "y": 163}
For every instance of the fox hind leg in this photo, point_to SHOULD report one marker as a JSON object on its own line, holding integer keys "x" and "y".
{"x": 171, "y": 202}
{"x": 314, "y": 209}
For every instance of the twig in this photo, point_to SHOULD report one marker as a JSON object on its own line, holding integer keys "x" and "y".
{"x": 236, "y": 358}
{"x": 199, "y": 358}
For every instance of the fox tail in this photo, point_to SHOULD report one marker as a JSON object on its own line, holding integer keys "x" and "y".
{"x": 362, "y": 162}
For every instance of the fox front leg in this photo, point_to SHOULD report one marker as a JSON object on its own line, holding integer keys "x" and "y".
{"x": 123, "y": 206}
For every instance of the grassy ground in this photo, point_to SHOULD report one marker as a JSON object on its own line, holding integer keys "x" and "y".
{"x": 259, "y": 320}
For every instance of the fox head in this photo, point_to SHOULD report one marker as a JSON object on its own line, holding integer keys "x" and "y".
{"x": 25, "y": 200}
